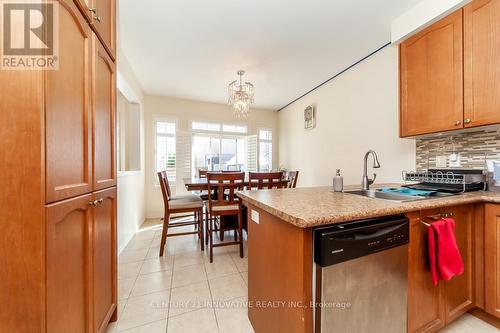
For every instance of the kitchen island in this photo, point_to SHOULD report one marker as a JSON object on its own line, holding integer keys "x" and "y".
{"x": 280, "y": 245}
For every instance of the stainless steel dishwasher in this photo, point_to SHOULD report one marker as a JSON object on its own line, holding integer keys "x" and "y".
{"x": 361, "y": 276}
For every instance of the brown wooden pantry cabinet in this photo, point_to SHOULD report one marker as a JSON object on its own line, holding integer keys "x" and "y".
{"x": 450, "y": 72}
{"x": 477, "y": 232}
{"x": 58, "y": 181}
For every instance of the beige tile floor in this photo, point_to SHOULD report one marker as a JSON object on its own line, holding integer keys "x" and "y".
{"x": 183, "y": 292}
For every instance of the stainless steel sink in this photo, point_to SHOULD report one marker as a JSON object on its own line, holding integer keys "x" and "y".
{"x": 394, "y": 196}
{"x": 385, "y": 196}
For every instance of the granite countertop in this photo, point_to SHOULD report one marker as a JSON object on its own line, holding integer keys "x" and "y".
{"x": 315, "y": 206}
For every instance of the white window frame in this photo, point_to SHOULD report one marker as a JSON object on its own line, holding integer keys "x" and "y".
{"x": 221, "y": 134}
{"x": 259, "y": 140}
{"x": 167, "y": 119}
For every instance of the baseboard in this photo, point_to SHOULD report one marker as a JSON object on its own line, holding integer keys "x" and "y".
{"x": 485, "y": 316}
{"x": 124, "y": 245}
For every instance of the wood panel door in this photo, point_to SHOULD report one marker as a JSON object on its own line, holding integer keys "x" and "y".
{"x": 459, "y": 291}
{"x": 104, "y": 22}
{"x": 426, "y": 308}
{"x": 104, "y": 258}
{"x": 104, "y": 104}
{"x": 492, "y": 259}
{"x": 431, "y": 82}
{"x": 482, "y": 63}
{"x": 68, "y": 269}
{"x": 68, "y": 110}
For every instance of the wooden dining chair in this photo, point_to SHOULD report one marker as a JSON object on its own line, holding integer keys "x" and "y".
{"x": 292, "y": 177}
{"x": 202, "y": 173}
{"x": 179, "y": 204}
{"x": 234, "y": 168}
{"x": 265, "y": 180}
{"x": 223, "y": 205}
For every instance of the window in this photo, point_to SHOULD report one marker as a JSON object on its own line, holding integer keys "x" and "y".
{"x": 224, "y": 150}
{"x": 265, "y": 150}
{"x": 165, "y": 151}
{"x": 216, "y": 153}
{"x": 234, "y": 128}
{"x": 205, "y": 126}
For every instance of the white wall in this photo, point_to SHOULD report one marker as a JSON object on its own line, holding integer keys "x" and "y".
{"x": 421, "y": 16}
{"x": 356, "y": 111}
{"x": 131, "y": 196}
{"x": 184, "y": 111}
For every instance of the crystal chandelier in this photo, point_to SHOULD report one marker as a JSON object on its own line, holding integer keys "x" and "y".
{"x": 240, "y": 96}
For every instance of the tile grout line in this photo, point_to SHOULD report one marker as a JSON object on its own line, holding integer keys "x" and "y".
{"x": 127, "y": 298}
{"x": 171, "y": 287}
{"x": 212, "y": 299}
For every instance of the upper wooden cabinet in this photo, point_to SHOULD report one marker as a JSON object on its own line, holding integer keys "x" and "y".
{"x": 101, "y": 15}
{"x": 482, "y": 63}
{"x": 68, "y": 110}
{"x": 104, "y": 103}
{"x": 492, "y": 259}
{"x": 450, "y": 72}
{"x": 431, "y": 79}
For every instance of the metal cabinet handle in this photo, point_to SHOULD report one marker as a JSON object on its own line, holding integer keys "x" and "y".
{"x": 100, "y": 200}
{"x": 457, "y": 123}
{"x": 468, "y": 121}
{"x": 93, "y": 10}
{"x": 97, "y": 18}
{"x": 93, "y": 203}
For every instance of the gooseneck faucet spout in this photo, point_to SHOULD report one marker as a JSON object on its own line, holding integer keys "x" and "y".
{"x": 365, "y": 185}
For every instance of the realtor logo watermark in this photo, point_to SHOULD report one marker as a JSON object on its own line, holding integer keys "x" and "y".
{"x": 29, "y": 36}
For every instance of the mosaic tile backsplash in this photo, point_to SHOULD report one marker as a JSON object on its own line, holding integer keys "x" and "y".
{"x": 473, "y": 148}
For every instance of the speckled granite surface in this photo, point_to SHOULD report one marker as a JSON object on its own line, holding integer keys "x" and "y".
{"x": 315, "y": 206}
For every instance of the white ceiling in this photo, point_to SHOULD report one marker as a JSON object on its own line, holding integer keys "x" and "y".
{"x": 193, "y": 48}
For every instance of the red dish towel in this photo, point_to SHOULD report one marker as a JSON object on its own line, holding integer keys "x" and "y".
{"x": 444, "y": 255}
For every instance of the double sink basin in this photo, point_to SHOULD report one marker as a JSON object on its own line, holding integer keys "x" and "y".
{"x": 399, "y": 194}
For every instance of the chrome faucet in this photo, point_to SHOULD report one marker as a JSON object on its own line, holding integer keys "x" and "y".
{"x": 365, "y": 185}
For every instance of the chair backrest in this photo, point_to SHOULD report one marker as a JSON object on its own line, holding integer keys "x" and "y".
{"x": 234, "y": 167}
{"x": 165, "y": 188}
{"x": 262, "y": 180}
{"x": 202, "y": 173}
{"x": 292, "y": 177}
{"x": 224, "y": 186}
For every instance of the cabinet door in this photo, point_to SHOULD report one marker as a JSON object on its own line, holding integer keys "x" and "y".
{"x": 431, "y": 83}
{"x": 492, "y": 259}
{"x": 104, "y": 21}
{"x": 104, "y": 258}
{"x": 482, "y": 63}
{"x": 426, "y": 309}
{"x": 104, "y": 104}
{"x": 68, "y": 110}
{"x": 459, "y": 290}
{"x": 85, "y": 7}
{"x": 68, "y": 258}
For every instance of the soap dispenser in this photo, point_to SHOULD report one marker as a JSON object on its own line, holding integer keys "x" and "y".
{"x": 338, "y": 182}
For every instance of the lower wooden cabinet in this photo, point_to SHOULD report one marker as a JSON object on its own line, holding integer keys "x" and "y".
{"x": 459, "y": 291}
{"x": 492, "y": 259}
{"x": 68, "y": 265}
{"x": 432, "y": 307}
{"x": 426, "y": 302}
{"x": 81, "y": 263}
{"x": 104, "y": 259}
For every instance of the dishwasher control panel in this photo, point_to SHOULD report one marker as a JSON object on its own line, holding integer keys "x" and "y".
{"x": 346, "y": 241}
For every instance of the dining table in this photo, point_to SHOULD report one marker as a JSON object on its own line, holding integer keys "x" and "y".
{"x": 201, "y": 184}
